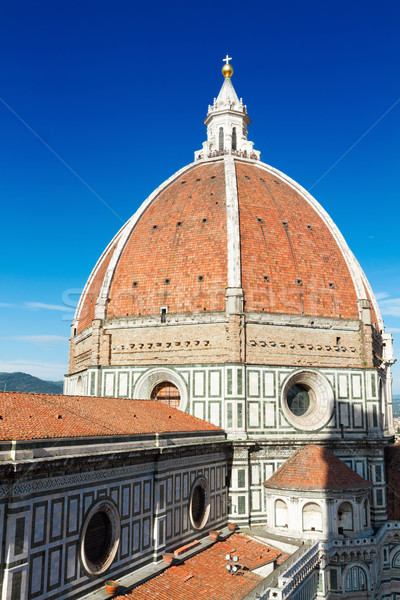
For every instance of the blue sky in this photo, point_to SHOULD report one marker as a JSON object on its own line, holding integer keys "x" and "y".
{"x": 118, "y": 90}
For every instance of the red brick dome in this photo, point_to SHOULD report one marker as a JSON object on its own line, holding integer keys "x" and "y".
{"x": 179, "y": 250}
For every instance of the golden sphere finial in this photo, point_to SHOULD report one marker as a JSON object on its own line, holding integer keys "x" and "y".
{"x": 227, "y": 69}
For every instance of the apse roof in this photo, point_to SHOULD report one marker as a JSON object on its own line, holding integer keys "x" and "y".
{"x": 314, "y": 467}
{"x": 25, "y": 416}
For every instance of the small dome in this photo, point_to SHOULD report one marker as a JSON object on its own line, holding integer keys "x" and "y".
{"x": 314, "y": 467}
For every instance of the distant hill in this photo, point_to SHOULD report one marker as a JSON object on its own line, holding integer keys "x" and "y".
{"x": 396, "y": 406}
{"x": 22, "y": 382}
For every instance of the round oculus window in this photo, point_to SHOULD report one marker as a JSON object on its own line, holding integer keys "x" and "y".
{"x": 299, "y": 399}
{"x": 307, "y": 400}
{"x": 100, "y": 537}
{"x": 199, "y": 503}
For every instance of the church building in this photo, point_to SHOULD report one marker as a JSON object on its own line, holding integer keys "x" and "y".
{"x": 230, "y": 310}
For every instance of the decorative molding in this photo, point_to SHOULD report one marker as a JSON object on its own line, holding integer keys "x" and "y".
{"x": 232, "y": 221}
{"x": 42, "y": 485}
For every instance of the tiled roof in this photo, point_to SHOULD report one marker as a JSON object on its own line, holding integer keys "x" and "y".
{"x": 204, "y": 576}
{"x": 87, "y": 311}
{"x": 284, "y": 238}
{"x": 179, "y": 238}
{"x": 315, "y": 468}
{"x": 176, "y": 253}
{"x": 25, "y": 416}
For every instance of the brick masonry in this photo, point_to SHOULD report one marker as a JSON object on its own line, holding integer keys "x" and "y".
{"x": 284, "y": 239}
{"x": 231, "y": 339}
{"x": 180, "y": 238}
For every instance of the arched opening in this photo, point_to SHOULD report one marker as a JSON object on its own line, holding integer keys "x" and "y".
{"x": 312, "y": 517}
{"x": 383, "y": 405}
{"x": 234, "y": 138}
{"x": 144, "y": 388}
{"x": 79, "y": 386}
{"x": 345, "y": 517}
{"x": 366, "y": 514}
{"x": 221, "y": 138}
{"x": 281, "y": 514}
{"x": 396, "y": 561}
{"x": 167, "y": 393}
{"x": 356, "y": 580}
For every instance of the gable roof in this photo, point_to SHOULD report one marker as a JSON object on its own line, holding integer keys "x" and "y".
{"x": 25, "y": 416}
{"x": 314, "y": 467}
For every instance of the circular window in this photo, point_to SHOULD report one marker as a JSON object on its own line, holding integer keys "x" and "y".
{"x": 167, "y": 393}
{"x": 199, "y": 503}
{"x": 299, "y": 399}
{"x": 307, "y": 400}
{"x": 100, "y": 537}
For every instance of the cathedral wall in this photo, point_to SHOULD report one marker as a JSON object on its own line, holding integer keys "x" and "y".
{"x": 251, "y": 399}
{"x": 180, "y": 344}
{"x": 250, "y": 404}
{"x": 392, "y": 455}
{"x": 364, "y": 567}
{"x": 80, "y": 355}
{"x": 44, "y": 518}
{"x": 193, "y": 339}
{"x": 303, "y": 346}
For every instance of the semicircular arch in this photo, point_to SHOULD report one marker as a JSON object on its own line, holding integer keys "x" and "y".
{"x": 153, "y": 377}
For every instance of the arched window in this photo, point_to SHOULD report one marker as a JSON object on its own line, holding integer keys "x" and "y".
{"x": 366, "y": 514}
{"x": 167, "y": 393}
{"x": 281, "y": 514}
{"x": 221, "y": 138}
{"x": 396, "y": 561}
{"x": 345, "y": 517}
{"x": 312, "y": 517}
{"x": 356, "y": 580}
{"x": 79, "y": 386}
{"x": 234, "y": 142}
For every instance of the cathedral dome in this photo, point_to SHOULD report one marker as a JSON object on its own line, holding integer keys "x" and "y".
{"x": 227, "y": 233}
{"x": 227, "y": 222}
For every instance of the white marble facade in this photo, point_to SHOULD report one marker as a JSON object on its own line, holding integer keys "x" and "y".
{"x": 45, "y": 509}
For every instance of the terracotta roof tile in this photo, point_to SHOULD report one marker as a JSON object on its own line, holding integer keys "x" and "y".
{"x": 181, "y": 236}
{"x": 25, "y": 416}
{"x": 315, "y": 468}
{"x": 89, "y": 304}
{"x": 284, "y": 238}
{"x": 204, "y": 576}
